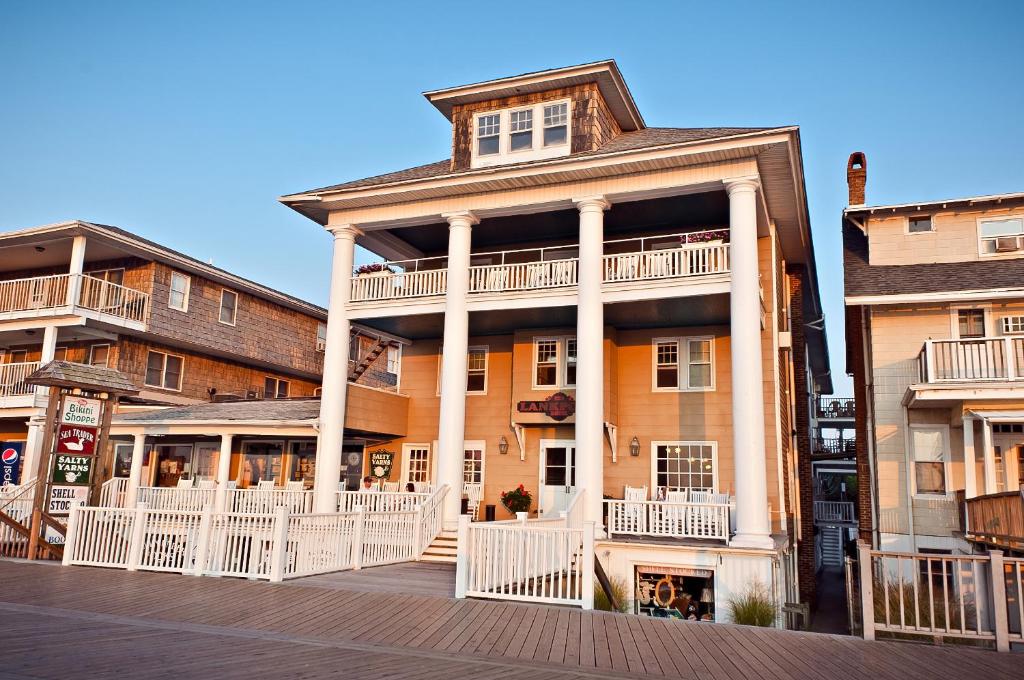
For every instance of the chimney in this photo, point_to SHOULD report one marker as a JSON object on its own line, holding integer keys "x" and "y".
{"x": 857, "y": 176}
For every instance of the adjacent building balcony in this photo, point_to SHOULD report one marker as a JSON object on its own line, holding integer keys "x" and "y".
{"x": 628, "y": 264}
{"x": 835, "y": 408}
{"x": 14, "y": 391}
{"x": 972, "y": 360}
{"x": 835, "y": 512}
{"x": 73, "y": 295}
{"x": 834, "y": 447}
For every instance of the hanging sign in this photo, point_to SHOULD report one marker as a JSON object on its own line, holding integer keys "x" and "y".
{"x": 61, "y": 498}
{"x": 380, "y": 463}
{"x": 71, "y": 469}
{"x": 81, "y": 411}
{"x": 76, "y": 439}
{"x": 10, "y": 462}
{"x": 558, "y": 406}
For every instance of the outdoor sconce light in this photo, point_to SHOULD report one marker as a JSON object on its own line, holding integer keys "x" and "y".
{"x": 634, "y": 447}
{"x": 503, "y": 445}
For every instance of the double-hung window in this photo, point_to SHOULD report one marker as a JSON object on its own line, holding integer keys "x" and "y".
{"x": 556, "y": 124}
{"x": 931, "y": 458}
{"x": 971, "y": 323}
{"x": 476, "y": 378}
{"x": 524, "y": 133}
{"x": 684, "y": 364}
{"x": 1001, "y": 235}
{"x": 321, "y": 337}
{"x": 554, "y": 362}
{"x": 521, "y": 130}
{"x": 473, "y": 463}
{"x": 98, "y": 355}
{"x": 416, "y": 463}
{"x": 686, "y": 465}
{"x": 228, "y": 307}
{"x": 164, "y": 370}
{"x": 178, "y": 296}
{"x": 488, "y": 134}
{"x": 275, "y": 388}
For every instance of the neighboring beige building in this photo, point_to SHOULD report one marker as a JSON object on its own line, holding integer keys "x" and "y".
{"x": 935, "y": 342}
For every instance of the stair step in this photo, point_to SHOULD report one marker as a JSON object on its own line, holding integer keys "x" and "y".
{"x": 444, "y": 559}
{"x": 441, "y": 550}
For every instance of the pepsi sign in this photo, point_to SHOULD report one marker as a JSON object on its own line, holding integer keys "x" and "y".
{"x": 10, "y": 462}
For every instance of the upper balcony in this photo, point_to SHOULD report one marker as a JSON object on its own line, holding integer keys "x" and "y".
{"x": 73, "y": 295}
{"x": 957, "y": 369}
{"x": 639, "y": 265}
{"x": 14, "y": 391}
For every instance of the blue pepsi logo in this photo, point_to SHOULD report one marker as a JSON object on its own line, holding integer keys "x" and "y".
{"x": 9, "y": 457}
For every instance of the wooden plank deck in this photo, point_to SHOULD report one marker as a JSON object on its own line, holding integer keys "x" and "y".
{"x": 388, "y": 622}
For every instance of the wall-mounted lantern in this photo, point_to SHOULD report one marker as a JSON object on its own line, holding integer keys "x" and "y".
{"x": 634, "y": 447}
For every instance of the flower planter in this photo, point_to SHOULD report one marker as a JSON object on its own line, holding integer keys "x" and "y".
{"x": 521, "y": 516}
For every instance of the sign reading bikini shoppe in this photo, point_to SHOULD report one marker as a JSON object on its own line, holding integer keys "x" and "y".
{"x": 558, "y": 406}
{"x": 76, "y": 439}
{"x": 81, "y": 411}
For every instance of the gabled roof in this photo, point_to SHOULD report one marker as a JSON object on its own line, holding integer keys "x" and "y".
{"x": 648, "y": 138}
{"x": 267, "y": 410}
{"x": 82, "y": 376}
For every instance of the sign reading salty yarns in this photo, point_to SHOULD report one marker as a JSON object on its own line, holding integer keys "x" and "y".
{"x": 71, "y": 469}
{"x": 81, "y": 411}
{"x": 76, "y": 439}
{"x": 380, "y": 463}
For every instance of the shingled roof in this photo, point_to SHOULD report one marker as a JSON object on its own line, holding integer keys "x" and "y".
{"x": 627, "y": 141}
{"x": 82, "y": 376}
{"x": 253, "y": 410}
{"x": 863, "y": 278}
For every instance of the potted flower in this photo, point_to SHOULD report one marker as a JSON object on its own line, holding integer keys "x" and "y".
{"x": 711, "y": 237}
{"x": 517, "y": 501}
{"x": 374, "y": 269}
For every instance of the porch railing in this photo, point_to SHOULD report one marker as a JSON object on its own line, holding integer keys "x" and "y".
{"x": 669, "y": 519}
{"x": 835, "y": 407}
{"x": 113, "y": 492}
{"x": 175, "y": 499}
{"x": 73, "y": 290}
{"x": 972, "y": 597}
{"x": 997, "y": 519}
{"x": 381, "y": 501}
{"x": 835, "y": 446}
{"x": 12, "y": 378}
{"x": 840, "y": 512}
{"x": 972, "y": 360}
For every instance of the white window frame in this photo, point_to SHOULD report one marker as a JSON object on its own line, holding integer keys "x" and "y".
{"x": 683, "y": 367}
{"x": 487, "y": 362}
{"x": 532, "y": 130}
{"x": 537, "y": 150}
{"x": 906, "y": 225}
{"x": 999, "y": 218}
{"x": 57, "y": 350}
{"x": 428, "y": 470}
{"x": 163, "y": 371}
{"x": 561, "y": 365}
{"x": 106, "y": 362}
{"x": 187, "y": 293}
{"x": 714, "y": 459}
{"x": 954, "y": 319}
{"x": 946, "y": 462}
{"x": 277, "y": 386}
{"x": 234, "y": 310}
{"x": 1012, "y": 324}
{"x": 321, "y": 337}
{"x": 475, "y": 444}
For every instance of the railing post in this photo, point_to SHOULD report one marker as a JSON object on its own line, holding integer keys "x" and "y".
{"x": 138, "y": 534}
{"x": 203, "y": 547}
{"x": 1009, "y": 358}
{"x": 929, "y": 361}
{"x": 462, "y": 558}
{"x": 71, "y": 534}
{"x": 867, "y": 596}
{"x": 279, "y": 553}
{"x": 588, "y": 565}
{"x": 357, "y": 537}
{"x": 417, "y": 532}
{"x": 999, "y": 617}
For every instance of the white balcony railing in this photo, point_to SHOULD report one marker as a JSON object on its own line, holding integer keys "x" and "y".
{"x": 31, "y": 295}
{"x": 972, "y": 360}
{"x": 669, "y": 519}
{"x": 840, "y": 512}
{"x": 12, "y": 378}
{"x": 670, "y": 256}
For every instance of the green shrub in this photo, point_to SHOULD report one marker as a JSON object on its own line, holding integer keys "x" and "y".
{"x": 754, "y": 606}
{"x": 619, "y": 589}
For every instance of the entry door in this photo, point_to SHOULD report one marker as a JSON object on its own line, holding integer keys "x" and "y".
{"x": 557, "y": 475}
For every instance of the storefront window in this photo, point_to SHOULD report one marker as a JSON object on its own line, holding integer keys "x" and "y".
{"x": 675, "y": 593}
{"x": 205, "y": 460}
{"x": 686, "y": 465}
{"x": 303, "y": 462}
{"x": 174, "y": 462}
{"x": 261, "y": 461}
{"x": 122, "y": 460}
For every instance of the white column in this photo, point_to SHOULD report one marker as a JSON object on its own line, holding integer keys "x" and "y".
{"x": 452, "y": 420}
{"x": 590, "y": 385}
{"x": 223, "y": 471}
{"x": 37, "y": 421}
{"x": 988, "y": 454}
{"x": 335, "y": 382}
{"x": 135, "y": 474}
{"x": 970, "y": 469}
{"x": 753, "y": 523}
{"x": 75, "y": 269}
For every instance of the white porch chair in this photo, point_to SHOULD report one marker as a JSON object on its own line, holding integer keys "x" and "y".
{"x": 634, "y": 514}
{"x": 207, "y": 484}
{"x": 232, "y": 484}
{"x": 673, "y": 514}
{"x": 184, "y": 484}
{"x": 293, "y": 486}
{"x": 265, "y": 485}
{"x": 699, "y": 496}
{"x": 392, "y": 487}
{"x": 474, "y": 493}
{"x": 423, "y": 487}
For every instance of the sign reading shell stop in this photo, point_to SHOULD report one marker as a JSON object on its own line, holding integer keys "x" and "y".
{"x": 81, "y": 411}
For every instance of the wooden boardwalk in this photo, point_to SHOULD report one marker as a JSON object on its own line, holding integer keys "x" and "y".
{"x": 91, "y": 623}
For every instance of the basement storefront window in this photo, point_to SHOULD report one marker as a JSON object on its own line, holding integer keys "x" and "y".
{"x": 675, "y": 593}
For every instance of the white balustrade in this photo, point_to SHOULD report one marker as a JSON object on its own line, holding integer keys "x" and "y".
{"x": 380, "y": 501}
{"x": 30, "y": 295}
{"x": 113, "y": 299}
{"x": 16, "y": 503}
{"x": 522, "y": 276}
{"x": 12, "y": 378}
{"x": 431, "y": 518}
{"x": 972, "y": 360}
{"x": 669, "y": 519}
{"x": 37, "y": 292}
{"x": 173, "y": 498}
{"x": 256, "y": 501}
{"x": 834, "y": 511}
{"x": 113, "y": 492}
{"x": 398, "y": 285}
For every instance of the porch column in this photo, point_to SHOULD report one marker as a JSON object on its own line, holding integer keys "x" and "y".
{"x": 75, "y": 269}
{"x": 590, "y": 385}
{"x": 970, "y": 469}
{"x": 335, "y": 381}
{"x": 37, "y": 421}
{"x": 753, "y": 524}
{"x": 135, "y": 474}
{"x": 223, "y": 471}
{"x": 988, "y": 454}
{"x": 454, "y": 358}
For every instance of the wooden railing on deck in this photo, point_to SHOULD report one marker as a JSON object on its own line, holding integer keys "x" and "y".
{"x": 997, "y": 519}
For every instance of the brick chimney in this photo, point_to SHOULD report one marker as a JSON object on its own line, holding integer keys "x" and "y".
{"x": 857, "y": 176}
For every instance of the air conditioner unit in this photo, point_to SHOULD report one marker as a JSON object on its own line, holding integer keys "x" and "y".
{"x": 1007, "y": 244}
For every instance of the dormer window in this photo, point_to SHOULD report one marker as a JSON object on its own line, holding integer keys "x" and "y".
{"x": 488, "y": 134}
{"x": 528, "y": 133}
{"x": 556, "y": 124}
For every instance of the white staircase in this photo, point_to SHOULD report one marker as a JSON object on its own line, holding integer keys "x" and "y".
{"x": 832, "y": 546}
{"x": 443, "y": 549}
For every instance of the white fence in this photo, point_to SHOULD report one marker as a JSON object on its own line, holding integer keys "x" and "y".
{"x": 381, "y": 501}
{"x": 267, "y": 500}
{"x": 522, "y": 276}
{"x": 172, "y": 498}
{"x": 841, "y": 512}
{"x": 526, "y": 561}
{"x": 673, "y": 520}
{"x": 973, "y": 597}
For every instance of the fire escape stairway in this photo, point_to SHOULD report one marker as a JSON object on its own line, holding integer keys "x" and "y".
{"x": 368, "y": 359}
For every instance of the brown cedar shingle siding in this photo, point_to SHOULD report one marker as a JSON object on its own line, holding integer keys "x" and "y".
{"x": 806, "y": 568}
{"x": 865, "y": 279}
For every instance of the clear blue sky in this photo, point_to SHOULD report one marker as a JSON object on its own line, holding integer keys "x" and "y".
{"x": 183, "y": 121}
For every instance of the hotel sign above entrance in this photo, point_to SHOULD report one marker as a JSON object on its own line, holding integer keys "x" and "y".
{"x": 558, "y": 406}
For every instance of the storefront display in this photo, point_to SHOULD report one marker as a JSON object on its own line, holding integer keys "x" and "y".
{"x": 303, "y": 463}
{"x": 675, "y": 592}
{"x": 261, "y": 461}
